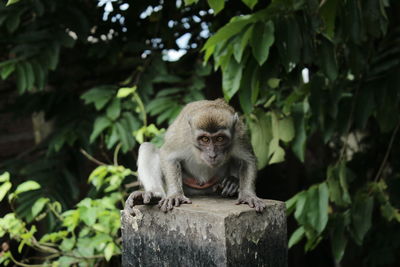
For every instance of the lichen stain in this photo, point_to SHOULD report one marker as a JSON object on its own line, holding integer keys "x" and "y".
{"x": 136, "y": 220}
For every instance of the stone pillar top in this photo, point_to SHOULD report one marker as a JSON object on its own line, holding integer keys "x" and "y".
{"x": 212, "y": 231}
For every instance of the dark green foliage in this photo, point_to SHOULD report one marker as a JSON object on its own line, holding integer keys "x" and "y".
{"x": 103, "y": 84}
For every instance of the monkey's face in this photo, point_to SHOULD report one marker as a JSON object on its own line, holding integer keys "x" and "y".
{"x": 213, "y": 147}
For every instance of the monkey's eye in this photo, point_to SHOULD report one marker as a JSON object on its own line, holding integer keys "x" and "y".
{"x": 205, "y": 139}
{"x": 220, "y": 138}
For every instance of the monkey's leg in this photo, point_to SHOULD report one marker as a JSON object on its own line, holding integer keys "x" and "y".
{"x": 150, "y": 176}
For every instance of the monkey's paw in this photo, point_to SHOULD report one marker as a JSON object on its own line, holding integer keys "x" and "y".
{"x": 140, "y": 198}
{"x": 168, "y": 203}
{"x": 229, "y": 187}
{"x": 252, "y": 201}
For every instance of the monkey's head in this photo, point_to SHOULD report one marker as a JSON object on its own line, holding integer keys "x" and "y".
{"x": 212, "y": 134}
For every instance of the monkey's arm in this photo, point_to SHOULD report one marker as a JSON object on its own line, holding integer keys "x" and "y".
{"x": 172, "y": 171}
{"x": 247, "y": 177}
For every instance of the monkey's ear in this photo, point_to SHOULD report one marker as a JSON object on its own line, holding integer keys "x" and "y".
{"x": 235, "y": 119}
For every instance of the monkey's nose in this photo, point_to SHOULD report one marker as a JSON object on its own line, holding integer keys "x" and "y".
{"x": 213, "y": 157}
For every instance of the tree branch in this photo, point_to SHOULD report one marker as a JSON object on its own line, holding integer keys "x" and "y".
{"x": 385, "y": 158}
{"x": 91, "y": 158}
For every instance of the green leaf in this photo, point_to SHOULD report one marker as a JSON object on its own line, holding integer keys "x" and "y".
{"x": 286, "y": 129}
{"x": 361, "y": 214}
{"x": 113, "y": 138}
{"x": 40, "y": 75}
{"x": 294, "y": 41}
{"x": 13, "y": 22}
{"x": 338, "y": 238}
{"x": 300, "y": 205}
{"x": 389, "y": 212}
{"x": 99, "y": 125}
{"x": 88, "y": 215}
{"x": 67, "y": 244}
{"x": 5, "y": 177}
{"x": 10, "y": 2}
{"x": 169, "y": 114}
{"x": 245, "y": 91}
{"x": 365, "y": 105}
{"x": 99, "y": 96}
{"x": 343, "y": 178}
{"x": 262, "y": 39}
{"x": 85, "y": 246}
{"x": 7, "y": 70}
{"x": 232, "y": 76}
{"x": 216, "y": 5}
{"x": 337, "y": 183}
{"x": 327, "y": 59}
{"x": 291, "y": 203}
{"x": 124, "y": 136}
{"x": 97, "y": 176}
{"x": 114, "y": 109}
{"x": 38, "y": 206}
{"x": 328, "y": 14}
{"x": 323, "y": 205}
{"x": 276, "y": 153}
{"x": 54, "y": 236}
{"x": 190, "y": 2}
{"x": 316, "y": 208}
{"x": 273, "y": 83}
{"x": 30, "y": 77}
{"x": 250, "y": 3}
{"x": 126, "y": 91}
{"x": 65, "y": 261}
{"x": 21, "y": 78}
{"x": 255, "y": 85}
{"x": 299, "y": 142}
{"x": 261, "y": 136}
{"x": 27, "y": 186}
{"x": 132, "y": 122}
{"x": 296, "y": 236}
{"x": 108, "y": 251}
{"x": 53, "y": 57}
{"x": 240, "y": 45}
{"x": 226, "y": 32}
{"x": 4, "y": 188}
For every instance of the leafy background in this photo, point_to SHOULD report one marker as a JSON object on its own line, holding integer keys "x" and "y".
{"x": 317, "y": 83}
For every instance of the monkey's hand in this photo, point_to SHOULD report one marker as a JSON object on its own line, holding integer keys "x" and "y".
{"x": 228, "y": 187}
{"x": 252, "y": 200}
{"x": 140, "y": 198}
{"x": 168, "y": 203}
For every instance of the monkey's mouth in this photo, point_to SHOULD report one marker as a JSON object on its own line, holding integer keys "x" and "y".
{"x": 213, "y": 162}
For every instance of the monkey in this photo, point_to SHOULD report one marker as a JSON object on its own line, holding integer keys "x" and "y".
{"x": 205, "y": 149}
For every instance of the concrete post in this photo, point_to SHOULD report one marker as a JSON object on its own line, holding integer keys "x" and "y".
{"x": 209, "y": 232}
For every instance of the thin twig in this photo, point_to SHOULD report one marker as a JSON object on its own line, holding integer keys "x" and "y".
{"x": 385, "y": 158}
{"x": 141, "y": 107}
{"x": 43, "y": 248}
{"x": 91, "y": 158}
{"x": 116, "y": 151}
{"x": 133, "y": 184}
{"x": 26, "y": 265}
{"x": 55, "y": 212}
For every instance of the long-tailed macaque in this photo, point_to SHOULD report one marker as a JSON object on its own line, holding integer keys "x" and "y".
{"x": 206, "y": 149}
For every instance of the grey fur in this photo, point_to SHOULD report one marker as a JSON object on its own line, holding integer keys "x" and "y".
{"x": 161, "y": 170}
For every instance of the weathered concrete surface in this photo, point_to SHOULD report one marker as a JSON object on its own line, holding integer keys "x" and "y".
{"x": 209, "y": 232}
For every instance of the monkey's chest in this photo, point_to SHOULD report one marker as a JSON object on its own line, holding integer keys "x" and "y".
{"x": 202, "y": 173}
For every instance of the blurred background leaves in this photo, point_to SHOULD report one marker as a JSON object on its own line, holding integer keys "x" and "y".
{"x": 317, "y": 83}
